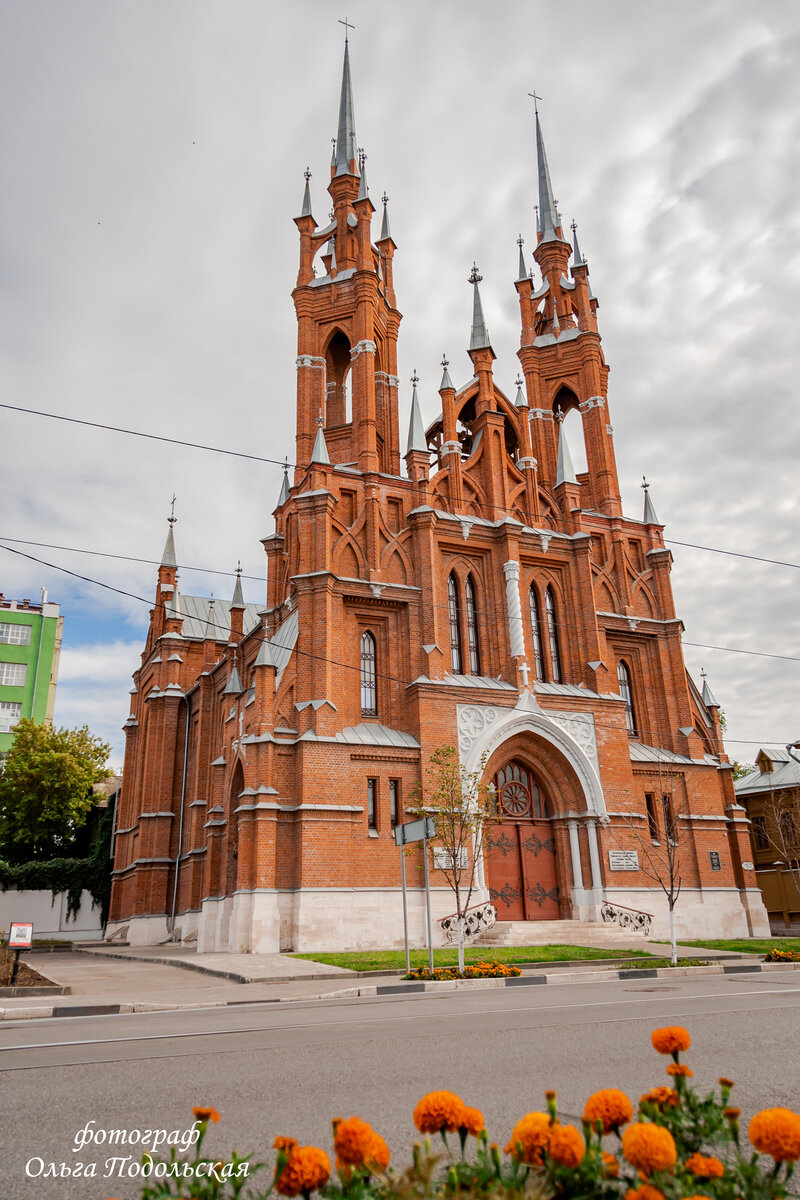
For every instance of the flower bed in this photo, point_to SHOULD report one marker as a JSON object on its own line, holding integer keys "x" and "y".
{"x": 782, "y": 956}
{"x": 480, "y": 970}
{"x": 678, "y": 1145}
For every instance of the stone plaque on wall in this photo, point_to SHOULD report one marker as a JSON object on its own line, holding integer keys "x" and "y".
{"x": 623, "y": 860}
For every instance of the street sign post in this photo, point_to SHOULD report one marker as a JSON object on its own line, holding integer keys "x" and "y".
{"x": 404, "y": 835}
{"x": 20, "y": 937}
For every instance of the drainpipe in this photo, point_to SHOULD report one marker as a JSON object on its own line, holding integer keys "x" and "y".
{"x": 38, "y": 657}
{"x": 180, "y": 822}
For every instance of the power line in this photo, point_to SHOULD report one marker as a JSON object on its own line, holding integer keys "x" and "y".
{"x": 321, "y": 657}
{"x": 276, "y": 462}
{"x": 500, "y": 614}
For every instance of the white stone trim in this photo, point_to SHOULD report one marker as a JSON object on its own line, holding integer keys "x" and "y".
{"x": 309, "y": 360}
{"x": 365, "y": 346}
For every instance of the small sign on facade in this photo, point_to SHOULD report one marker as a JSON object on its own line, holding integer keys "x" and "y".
{"x": 713, "y": 856}
{"x": 623, "y": 860}
{"x": 443, "y": 859}
{"x": 20, "y": 935}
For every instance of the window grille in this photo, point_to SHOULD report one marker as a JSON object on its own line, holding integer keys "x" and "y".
{"x": 455, "y": 632}
{"x": 552, "y": 635}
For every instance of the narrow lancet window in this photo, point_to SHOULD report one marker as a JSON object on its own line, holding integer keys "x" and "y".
{"x": 369, "y": 678}
{"x": 455, "y": 632}
{"x": 472, "y": 628}
{"x": 536, "y": 634}
{"x": 626, "y": 692}
{"x": 552, "y": 635}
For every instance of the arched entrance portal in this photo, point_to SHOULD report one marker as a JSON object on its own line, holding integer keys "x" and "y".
{"x": 520, "y": 851}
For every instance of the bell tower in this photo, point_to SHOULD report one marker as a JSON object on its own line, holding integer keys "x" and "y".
{"x": 347, "y": 322}
{"x": 561, "y": 353}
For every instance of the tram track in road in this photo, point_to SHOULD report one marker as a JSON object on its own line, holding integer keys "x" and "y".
{"x": 401, "y": 1018}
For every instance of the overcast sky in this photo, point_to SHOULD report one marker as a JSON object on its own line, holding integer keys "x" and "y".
{"x": 153, "y": 159}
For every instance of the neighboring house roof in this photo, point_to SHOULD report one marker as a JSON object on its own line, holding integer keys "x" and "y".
{"x": 785, "y": 773}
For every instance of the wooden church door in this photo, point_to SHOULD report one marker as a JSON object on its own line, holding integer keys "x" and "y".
{"x": 520, "y": 850}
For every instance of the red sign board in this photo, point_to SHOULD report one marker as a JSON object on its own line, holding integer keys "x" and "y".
{"x": 20, "y": 935}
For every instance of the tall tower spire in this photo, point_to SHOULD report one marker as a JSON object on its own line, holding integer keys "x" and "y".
{"x": 549, "y": 220}
{"x": 346, "y": 162}
{"x": 168, "y": 558}
{"x": 479, "y": 336}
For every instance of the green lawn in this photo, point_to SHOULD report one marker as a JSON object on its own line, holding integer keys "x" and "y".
{"x": 388, "y": 960}
{"x": 748, "y": 945}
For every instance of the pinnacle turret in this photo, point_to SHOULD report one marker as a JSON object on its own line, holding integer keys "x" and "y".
{"x": 521, "y": 271}
{"x": 416, "y": 429}
{"x": 284, "y": 496}
{"x": 386, "y": 232}
{"x": 479, "y": 336}
{"x": 708, "y": 696}
{"x": 238, "y": 598}
{"x": 320, "y": 452}
{"x": 649, "y": 517}
{"x": 446, "y": 380}
{"x": 306, "y": 209}
{"x": 168, "y": 558}
{"x": 577, "y": 258}
{"x": 521, "y": 400}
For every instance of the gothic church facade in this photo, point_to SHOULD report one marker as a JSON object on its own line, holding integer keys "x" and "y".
{"x": 478, "y": 594}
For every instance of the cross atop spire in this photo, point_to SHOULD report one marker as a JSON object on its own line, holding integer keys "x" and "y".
{"x": 347, "y": 25}
{"x": 345, "y": 151}
{"x": 172, "y": 518}
{"x": 535, "y": 100}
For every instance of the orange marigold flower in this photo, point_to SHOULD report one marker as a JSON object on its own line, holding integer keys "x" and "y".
{"x": 532, "y": 1133}
{"x": 645, "y": 1192}
{"x": 566, "y": 1146}
{"x": 358, "y": 1145}
{"x": 662, "y": 1097}
{"x": 671, "y": 1039}
{"x": 610, "y": 1106}
{"x": 284, "y": 1143}
{"x": 776, "y": 1131}
{"x": 308, "y": 1168}
{"x": 705, "y": 1168}
{"x": 472, "y": 1120}
{"x": 438, "y": 1111}
{"x": 206, "y": 1114}
{"x": 680, "y": 1069}
{"x": 611, "y": 1165}
{"x": 649, "y": 1147}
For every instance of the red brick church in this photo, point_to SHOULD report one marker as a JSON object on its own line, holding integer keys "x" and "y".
{"x": 474, "y": 591}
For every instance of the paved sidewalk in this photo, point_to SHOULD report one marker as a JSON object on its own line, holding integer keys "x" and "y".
{"x": 144, "y": 979}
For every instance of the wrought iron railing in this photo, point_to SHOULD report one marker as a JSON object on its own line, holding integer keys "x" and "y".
{"x": 626, "y": 918}
{"x": 476, "y": 919}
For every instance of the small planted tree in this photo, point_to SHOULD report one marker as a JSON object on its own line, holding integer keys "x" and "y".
{"x": 659, "y": 842}
{"x": 463, "y": 809}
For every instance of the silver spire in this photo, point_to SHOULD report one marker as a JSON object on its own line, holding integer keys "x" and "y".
{"x": 649, "y": 517}
{"x": 346, "y": 139}
{"x": 385, "y": 230}
{"x": 521, "y": 400}
{"x": 548, "y": 218}
{"x": 238, "y": 598}
{"x": 565, "y": 471}
{"x": 577, "y": 258}
{"x": 446, "y": 380}
{"x": 284, "y": 496}
{"x": 416, "y": 430}
{"x": 479, "y": 337}
{"x": 521, "y": 273}
{"x": 320, "y": 452}
{"x": 168, "y": 558}
{"x": 306, "y": 209}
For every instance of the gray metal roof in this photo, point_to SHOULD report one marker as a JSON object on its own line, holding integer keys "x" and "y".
{"x": 568, "y": 689}
{"x": 234, "y": 685}
{"x": 376, "y": 735}
{"x": 195, "y": 618}
{"x": 478, "y": 681}
{"x": 785, "y": 774}
{"x": 642, "y": 753}
{"x": 283, "y": 643}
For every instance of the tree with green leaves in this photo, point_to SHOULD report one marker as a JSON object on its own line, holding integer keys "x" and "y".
{"x": 46, "y": 782}
{"x": 462, "y": 807}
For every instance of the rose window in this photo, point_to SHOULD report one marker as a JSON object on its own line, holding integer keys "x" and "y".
{"x": 515, "y": 799}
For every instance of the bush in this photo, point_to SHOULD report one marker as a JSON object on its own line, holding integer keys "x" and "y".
{"x": 681, "y": 1144}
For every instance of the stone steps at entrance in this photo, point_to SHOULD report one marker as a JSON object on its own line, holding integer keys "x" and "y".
{"x": 575, "y": 933}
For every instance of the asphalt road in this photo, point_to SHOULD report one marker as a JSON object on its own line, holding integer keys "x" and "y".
{"x": 289, "y": 1068}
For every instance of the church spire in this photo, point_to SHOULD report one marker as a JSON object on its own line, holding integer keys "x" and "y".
{"x": 346, "y": 153}
{"x": 565, "y": 471}
{"x": 549, "y": 220}
{"x": 306, "y": 209}
{"x": 320, "y": 452}
{"x": 284, "y": 496}
{"x": 416, "y": 429}
{"x": 479, "y": 336}
{"x": 521, "y": 271}
{"x": 649, "y": 517}
{"x": 168, "y": 558}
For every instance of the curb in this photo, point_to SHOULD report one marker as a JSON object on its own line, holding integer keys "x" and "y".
{"x": 402, "y": 989}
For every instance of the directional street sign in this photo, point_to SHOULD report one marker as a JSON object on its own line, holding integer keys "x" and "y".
{"x": 414, "y": 831}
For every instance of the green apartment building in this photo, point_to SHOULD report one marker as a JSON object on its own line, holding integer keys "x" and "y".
{"x": 30, "y": 645}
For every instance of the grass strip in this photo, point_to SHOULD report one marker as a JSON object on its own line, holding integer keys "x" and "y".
{"x": 746, "y": 945}
{"x": 388, "y": 960}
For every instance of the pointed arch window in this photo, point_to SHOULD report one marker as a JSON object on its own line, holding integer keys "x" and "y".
{"x": 369, "y": 676}
{"x": 626, "y": 692}
{"x": 552, "y": 635}
{"x": 455, "y": 632}
{"x": 536, "y": 634}
{"x": 472, "y": 628}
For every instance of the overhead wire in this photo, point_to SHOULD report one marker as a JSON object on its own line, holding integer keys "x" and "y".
{"x": 225, "y": 629}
